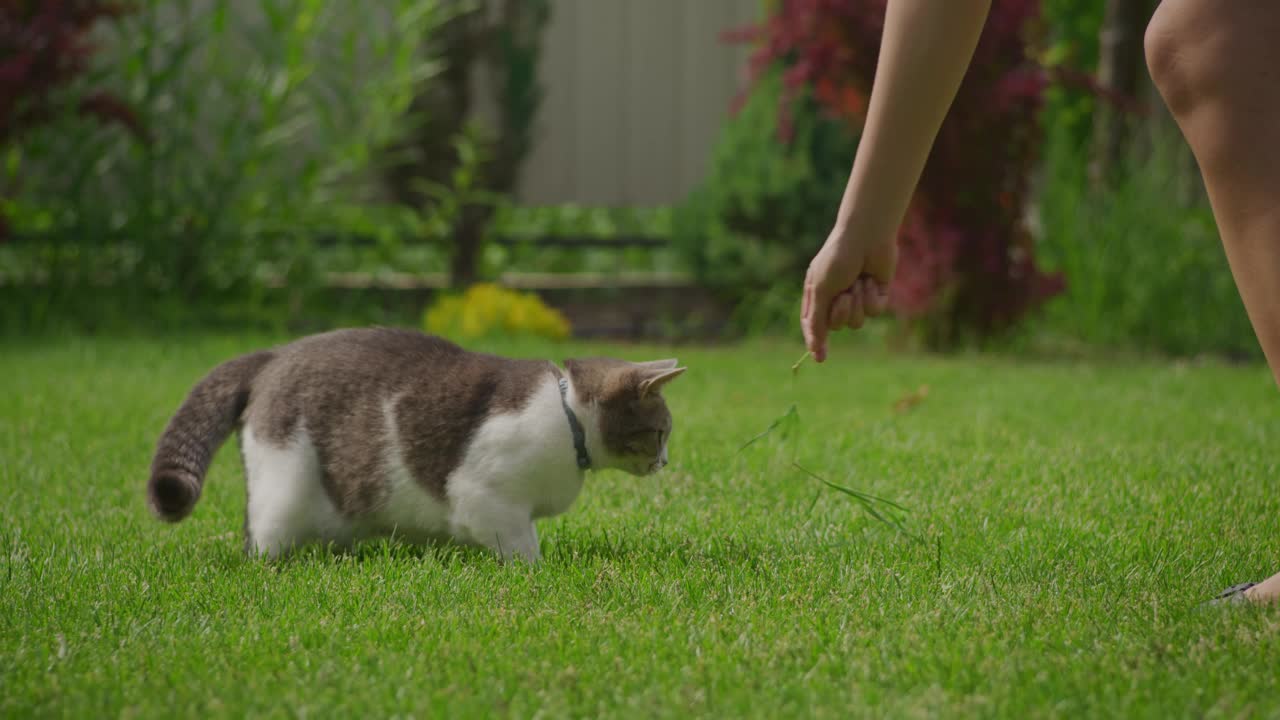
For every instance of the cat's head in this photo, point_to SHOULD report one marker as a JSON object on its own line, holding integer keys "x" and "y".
{"x": 631, "y": 417}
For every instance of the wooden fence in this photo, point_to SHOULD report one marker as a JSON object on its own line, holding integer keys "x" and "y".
{"x": 637, "y": 93}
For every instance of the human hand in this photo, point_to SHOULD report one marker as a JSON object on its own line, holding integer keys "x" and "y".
{"x": 848, "y": 282}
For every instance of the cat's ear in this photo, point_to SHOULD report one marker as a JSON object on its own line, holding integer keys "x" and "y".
{"x": 658, "y": 364}
{"x": 655, "y": 378}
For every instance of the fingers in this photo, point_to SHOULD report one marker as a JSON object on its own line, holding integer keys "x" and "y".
{"x": 850, "y": 309}
{"x": 875, "y": 297}
{"x": 807, "y": 306}
{"x": 814, "y": 318}
{"x": 828, "y": 304}
{"x": 857, "y": 316}
{"x": 867, "y": 299}
{"x": 842, "y": 310}
{"x": 847, "y": 309}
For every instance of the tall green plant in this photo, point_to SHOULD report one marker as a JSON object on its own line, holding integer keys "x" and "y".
{"x": 263, "y": 119}
{"x": 1144, "y": 271}
{"x": 503, "y": 39}
{"x": 1072, "y": 31}
{"x": 765, "y": 208}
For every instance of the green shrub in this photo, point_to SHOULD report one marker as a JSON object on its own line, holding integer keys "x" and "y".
{"x": 1073, "y": 29}
{"x": 502, "y": 42}
{"x": 766, "y": 207}
{"x": 263, "y": 120}
{"x": 1143, "y": 271}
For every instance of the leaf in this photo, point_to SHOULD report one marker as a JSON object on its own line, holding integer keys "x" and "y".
{"x": 911, "y": 399}
{"x": 868, "y": 503}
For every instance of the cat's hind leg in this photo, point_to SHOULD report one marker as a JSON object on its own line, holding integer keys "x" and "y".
{"x": 287, "y": 505}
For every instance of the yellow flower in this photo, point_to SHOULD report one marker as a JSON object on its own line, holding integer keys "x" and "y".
{"x": 487, "y": 309}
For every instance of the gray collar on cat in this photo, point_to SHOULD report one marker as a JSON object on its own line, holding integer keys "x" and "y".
{"x": 575, "y": 427}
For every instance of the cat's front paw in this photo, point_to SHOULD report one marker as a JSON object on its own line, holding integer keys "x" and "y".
{"x": 518, "y": 546}
{"x": 505, "y": 528}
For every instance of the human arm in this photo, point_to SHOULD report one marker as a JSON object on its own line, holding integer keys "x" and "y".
{"x": 925, "y": 51}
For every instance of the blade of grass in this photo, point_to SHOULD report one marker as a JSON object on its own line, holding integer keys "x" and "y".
{"x": 866, "y": 501}
{"x": 790, "y": 413}
{"x": 796, "y": 367}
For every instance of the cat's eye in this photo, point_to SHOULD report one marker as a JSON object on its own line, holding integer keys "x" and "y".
{"x": 641, "y": 441}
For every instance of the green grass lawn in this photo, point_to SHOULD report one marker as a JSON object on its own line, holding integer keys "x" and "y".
{"x": 1074, "y": 516}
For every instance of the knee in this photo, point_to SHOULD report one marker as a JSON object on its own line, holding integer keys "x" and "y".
{"x": 1180, "y": 53}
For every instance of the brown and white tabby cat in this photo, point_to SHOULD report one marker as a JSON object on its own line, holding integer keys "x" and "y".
{"x": 366, "y": 432}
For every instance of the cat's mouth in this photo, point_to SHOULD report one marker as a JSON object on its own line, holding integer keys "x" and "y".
{"x": 641, "y": 467}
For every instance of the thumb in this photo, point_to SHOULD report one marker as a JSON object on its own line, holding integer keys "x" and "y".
{"x": 817, "y": 302}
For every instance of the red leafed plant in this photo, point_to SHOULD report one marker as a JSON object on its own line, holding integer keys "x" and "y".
{"x": 967, "y": 261}
{"x": 44, "y": 47}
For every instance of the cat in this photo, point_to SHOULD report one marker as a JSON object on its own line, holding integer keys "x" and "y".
{"x": 371, "y": 432}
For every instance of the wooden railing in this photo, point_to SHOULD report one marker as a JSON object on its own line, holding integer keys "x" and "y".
{"x": 619, "y": 305}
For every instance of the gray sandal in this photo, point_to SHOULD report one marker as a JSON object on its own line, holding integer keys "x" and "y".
{"x": 1233, "y": 595}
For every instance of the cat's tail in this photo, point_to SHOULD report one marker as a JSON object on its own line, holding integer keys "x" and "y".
{"x": 210, "y": 413}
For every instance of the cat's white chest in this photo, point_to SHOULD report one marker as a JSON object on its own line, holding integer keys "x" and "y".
{"x": 556, "y": 493}
{"x": 524, "y": 459}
